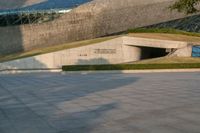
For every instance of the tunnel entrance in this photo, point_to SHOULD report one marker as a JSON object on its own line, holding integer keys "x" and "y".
{"x": 151, "y": 52}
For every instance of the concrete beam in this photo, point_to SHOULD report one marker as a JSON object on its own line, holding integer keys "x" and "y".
{"x": 155, "y": 43}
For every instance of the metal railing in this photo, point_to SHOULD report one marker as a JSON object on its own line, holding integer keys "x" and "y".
{"x": 20, "y": 17}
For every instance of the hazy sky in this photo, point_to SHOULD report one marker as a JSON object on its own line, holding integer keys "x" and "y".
{"x": 7, "y": 4}
{"x": 39, "y": 4}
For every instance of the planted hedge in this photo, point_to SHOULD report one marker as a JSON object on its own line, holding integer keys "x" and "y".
{"x": 162, "y": 30}
{"x": 130, "y": 67}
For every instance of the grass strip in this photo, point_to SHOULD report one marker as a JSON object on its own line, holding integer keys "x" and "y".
{"x": 39, "y": 51}
{"x": 162, "y": 30}
{"x": 130, "y": 67}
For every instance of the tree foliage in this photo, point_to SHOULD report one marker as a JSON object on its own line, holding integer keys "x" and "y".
{"x": 187, "y": 6}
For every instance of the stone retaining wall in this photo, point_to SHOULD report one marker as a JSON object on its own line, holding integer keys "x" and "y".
{"x": 95, "y": 19}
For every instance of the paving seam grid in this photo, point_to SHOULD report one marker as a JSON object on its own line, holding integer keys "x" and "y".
{"x": 144, "y": 80}
{"x": 20, "y": 101}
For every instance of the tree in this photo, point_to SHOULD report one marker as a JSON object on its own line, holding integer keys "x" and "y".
{"x": 187, "y": 6}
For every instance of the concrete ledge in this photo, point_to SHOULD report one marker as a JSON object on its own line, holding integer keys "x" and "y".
{"x": 134, "y": 71}
{"x": 28, "y": 71}
{"x": 100, "y": 72}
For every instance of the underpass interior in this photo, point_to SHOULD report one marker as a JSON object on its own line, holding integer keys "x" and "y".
{"x": 151, "y": 52}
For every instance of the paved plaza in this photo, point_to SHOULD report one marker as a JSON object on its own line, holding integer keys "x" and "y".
{"x": 100, "y": 103}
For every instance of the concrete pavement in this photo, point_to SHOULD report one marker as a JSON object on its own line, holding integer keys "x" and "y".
{"x": 100, "y": 103}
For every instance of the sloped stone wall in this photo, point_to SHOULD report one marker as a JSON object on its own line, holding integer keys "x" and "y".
{"x": 95, "y": 19}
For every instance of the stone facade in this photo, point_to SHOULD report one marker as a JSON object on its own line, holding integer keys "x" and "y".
{"x": 95, "y": 19}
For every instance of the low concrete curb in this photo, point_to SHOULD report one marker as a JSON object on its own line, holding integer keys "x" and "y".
{"x": 133, "y": 71}
{"x": 96, "y": 72}
{"x": 28, "y": 71}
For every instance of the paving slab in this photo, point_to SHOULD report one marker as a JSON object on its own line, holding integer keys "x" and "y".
{"x": 100, "y": 103}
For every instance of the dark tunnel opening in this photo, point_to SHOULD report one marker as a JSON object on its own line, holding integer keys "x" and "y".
{"x": 151, "y": 52}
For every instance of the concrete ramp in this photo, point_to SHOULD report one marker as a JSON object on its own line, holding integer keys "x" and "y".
{"x": 119, "y": 50}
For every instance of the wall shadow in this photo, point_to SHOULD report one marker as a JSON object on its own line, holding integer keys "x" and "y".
{"x": 94, "y": 61}
{"x": 84, "y": 85}
{"x": 59, "y": 94}
{"x": 23, "y": 64}
{"x": 50, "y": 96}
{"x": 85, "y": 121}
{"x": 11, "y": 38}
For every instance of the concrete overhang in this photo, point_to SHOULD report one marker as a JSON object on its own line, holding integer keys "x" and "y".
{"x": 156, "y": 43}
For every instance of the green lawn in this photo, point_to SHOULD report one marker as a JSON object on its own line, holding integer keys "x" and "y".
{"x": 163, "y": 30}
{"x": 157, "y": 63}
{"x": 130, "y": 67}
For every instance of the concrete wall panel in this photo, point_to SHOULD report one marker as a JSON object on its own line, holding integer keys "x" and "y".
{"x": 114, "y": 51}
{"x": 183, "y": 52}
{"x": 146, "y": 42}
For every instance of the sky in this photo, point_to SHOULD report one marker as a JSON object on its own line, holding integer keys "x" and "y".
{"x": 39, "y": 4}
